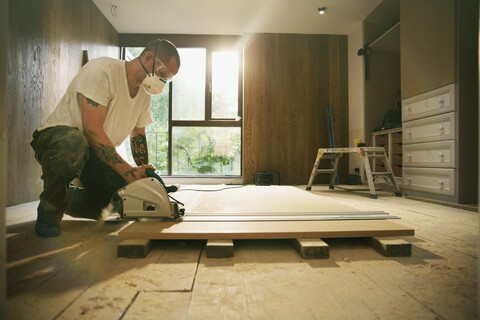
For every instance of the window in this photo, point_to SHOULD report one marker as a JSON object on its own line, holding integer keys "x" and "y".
{"x": 197, "y": 129}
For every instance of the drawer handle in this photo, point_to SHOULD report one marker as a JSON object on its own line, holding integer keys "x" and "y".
{"x": 441, "y": 182}
{"x": 409, "y": 108}
{"x": 409, "y": 156}
{"x": 409, "y": 132}
{"x": 441, "y": 101}
{"x": 441, "y": 128}
{"x": 442, "y": 155}
{"x": 409, "y": 180}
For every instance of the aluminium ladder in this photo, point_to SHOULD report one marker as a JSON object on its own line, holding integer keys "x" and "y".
{"x": 365, "y": 153}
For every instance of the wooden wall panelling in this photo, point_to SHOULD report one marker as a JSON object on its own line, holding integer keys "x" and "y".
{"x": 3, "y": 153}
{"x": 467, "y": 104}
{"x": 287, "y": 87}
{"x": 46, "y": 43}
{"x": 24, "y": 88}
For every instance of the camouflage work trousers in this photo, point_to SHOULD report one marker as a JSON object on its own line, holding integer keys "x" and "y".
{"x": 64, "y": 154}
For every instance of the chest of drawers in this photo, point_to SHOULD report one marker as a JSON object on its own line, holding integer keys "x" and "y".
{"x": 429, "y": 144}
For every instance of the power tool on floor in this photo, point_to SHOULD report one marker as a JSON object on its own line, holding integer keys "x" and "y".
{"x": 147, "y": 198}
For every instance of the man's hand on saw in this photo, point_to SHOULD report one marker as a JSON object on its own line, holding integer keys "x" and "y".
{"x": 137, "y": 173}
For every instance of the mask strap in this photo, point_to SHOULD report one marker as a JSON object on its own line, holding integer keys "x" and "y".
{"x": 143, "y": 66}
{"x": 154, "y": 59}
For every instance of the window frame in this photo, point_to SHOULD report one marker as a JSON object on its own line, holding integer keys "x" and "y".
{"x": 212, "y": 43}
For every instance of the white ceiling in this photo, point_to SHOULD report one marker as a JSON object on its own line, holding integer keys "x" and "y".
{"x": 236, "y": 17}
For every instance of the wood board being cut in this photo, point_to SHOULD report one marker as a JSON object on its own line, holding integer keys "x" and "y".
{"x": 263, "y": 200}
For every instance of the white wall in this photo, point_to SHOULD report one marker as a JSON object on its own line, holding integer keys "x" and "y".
{"x": 356, "y": 105}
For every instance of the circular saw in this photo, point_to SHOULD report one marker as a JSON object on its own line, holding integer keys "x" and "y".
{"x": 147, "y": 198}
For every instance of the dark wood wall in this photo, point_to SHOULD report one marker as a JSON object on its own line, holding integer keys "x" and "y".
{"x": 46, "y": 42}
{"x": 3, "y": 153}
{"x": 289, "y": 79}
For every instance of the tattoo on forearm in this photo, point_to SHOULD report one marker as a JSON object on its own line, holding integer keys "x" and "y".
{"x": 91, "y": 133}
{"x": 130, "y": 173}
{"x": 109, "y": 153}
{"x": 139, "y": 148}
{"x": 93, "y": 103}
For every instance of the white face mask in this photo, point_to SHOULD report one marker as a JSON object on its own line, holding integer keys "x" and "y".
{"x": 154, "y": 84}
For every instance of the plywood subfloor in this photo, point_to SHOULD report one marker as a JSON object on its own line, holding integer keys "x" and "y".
{"x": 78, "y": 276}
{"x": 258, "y": 200}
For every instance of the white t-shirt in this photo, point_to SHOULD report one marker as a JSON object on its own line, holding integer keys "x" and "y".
{"x": 104, "y": 81}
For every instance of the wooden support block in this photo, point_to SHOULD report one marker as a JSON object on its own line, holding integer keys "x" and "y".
{"x": 311, "y": 248}
{"x": 391, "y": 247}
{"x": 219, "y": 248}
{"x": 134, "y": 248}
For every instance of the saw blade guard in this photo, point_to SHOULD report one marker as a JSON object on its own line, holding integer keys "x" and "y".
{"x": 147, "y": 198}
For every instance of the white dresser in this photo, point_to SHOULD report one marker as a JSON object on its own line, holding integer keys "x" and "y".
{"x": 429, "y": 144}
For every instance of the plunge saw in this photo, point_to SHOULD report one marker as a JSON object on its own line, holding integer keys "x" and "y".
{"x": 147, "y": 198}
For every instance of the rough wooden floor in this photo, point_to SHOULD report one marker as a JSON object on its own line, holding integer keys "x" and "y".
{"x": 78, "y": 276}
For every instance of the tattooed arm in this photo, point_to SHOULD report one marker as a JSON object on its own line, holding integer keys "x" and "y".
{"x": 138, "y": 144}
{"x": 93, "y": 118}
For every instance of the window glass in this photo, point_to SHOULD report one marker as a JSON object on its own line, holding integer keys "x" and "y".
{"x": 189, "y": 85}
{"x": 206, "y": 151}
{"x": 225, "y": 85}
{"x": 157, "y": 132}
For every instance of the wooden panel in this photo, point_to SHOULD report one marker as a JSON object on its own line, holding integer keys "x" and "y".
{"x": 467, "y": 72}
{"x": 427, "y": 45}
{"x": 3, "y": 151}
{"x": 289, "y": 80}
{"x": 263, "y": 230}
{"x": 258, "y": 199}
{"x": 47, "y": 39}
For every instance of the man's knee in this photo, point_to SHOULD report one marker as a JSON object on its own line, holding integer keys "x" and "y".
{"x": 63, "y": 150}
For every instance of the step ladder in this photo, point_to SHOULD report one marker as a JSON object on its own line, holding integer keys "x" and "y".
{"x": 366, "y": 153}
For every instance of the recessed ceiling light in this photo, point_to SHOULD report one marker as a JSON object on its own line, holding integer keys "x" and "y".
{"x": 322, "y": 10}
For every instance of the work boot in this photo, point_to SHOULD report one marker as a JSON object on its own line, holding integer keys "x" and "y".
{"x": 47, "y": 229}
{"x": 48, "y": 221}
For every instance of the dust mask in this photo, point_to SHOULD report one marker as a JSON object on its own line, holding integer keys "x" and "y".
{"x": 152, "y": 83}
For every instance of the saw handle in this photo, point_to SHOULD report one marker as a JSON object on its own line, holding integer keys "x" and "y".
{"x": 152, "y": 174}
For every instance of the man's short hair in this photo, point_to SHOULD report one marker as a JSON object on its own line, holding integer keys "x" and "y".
{"x": 166, "y": 50}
